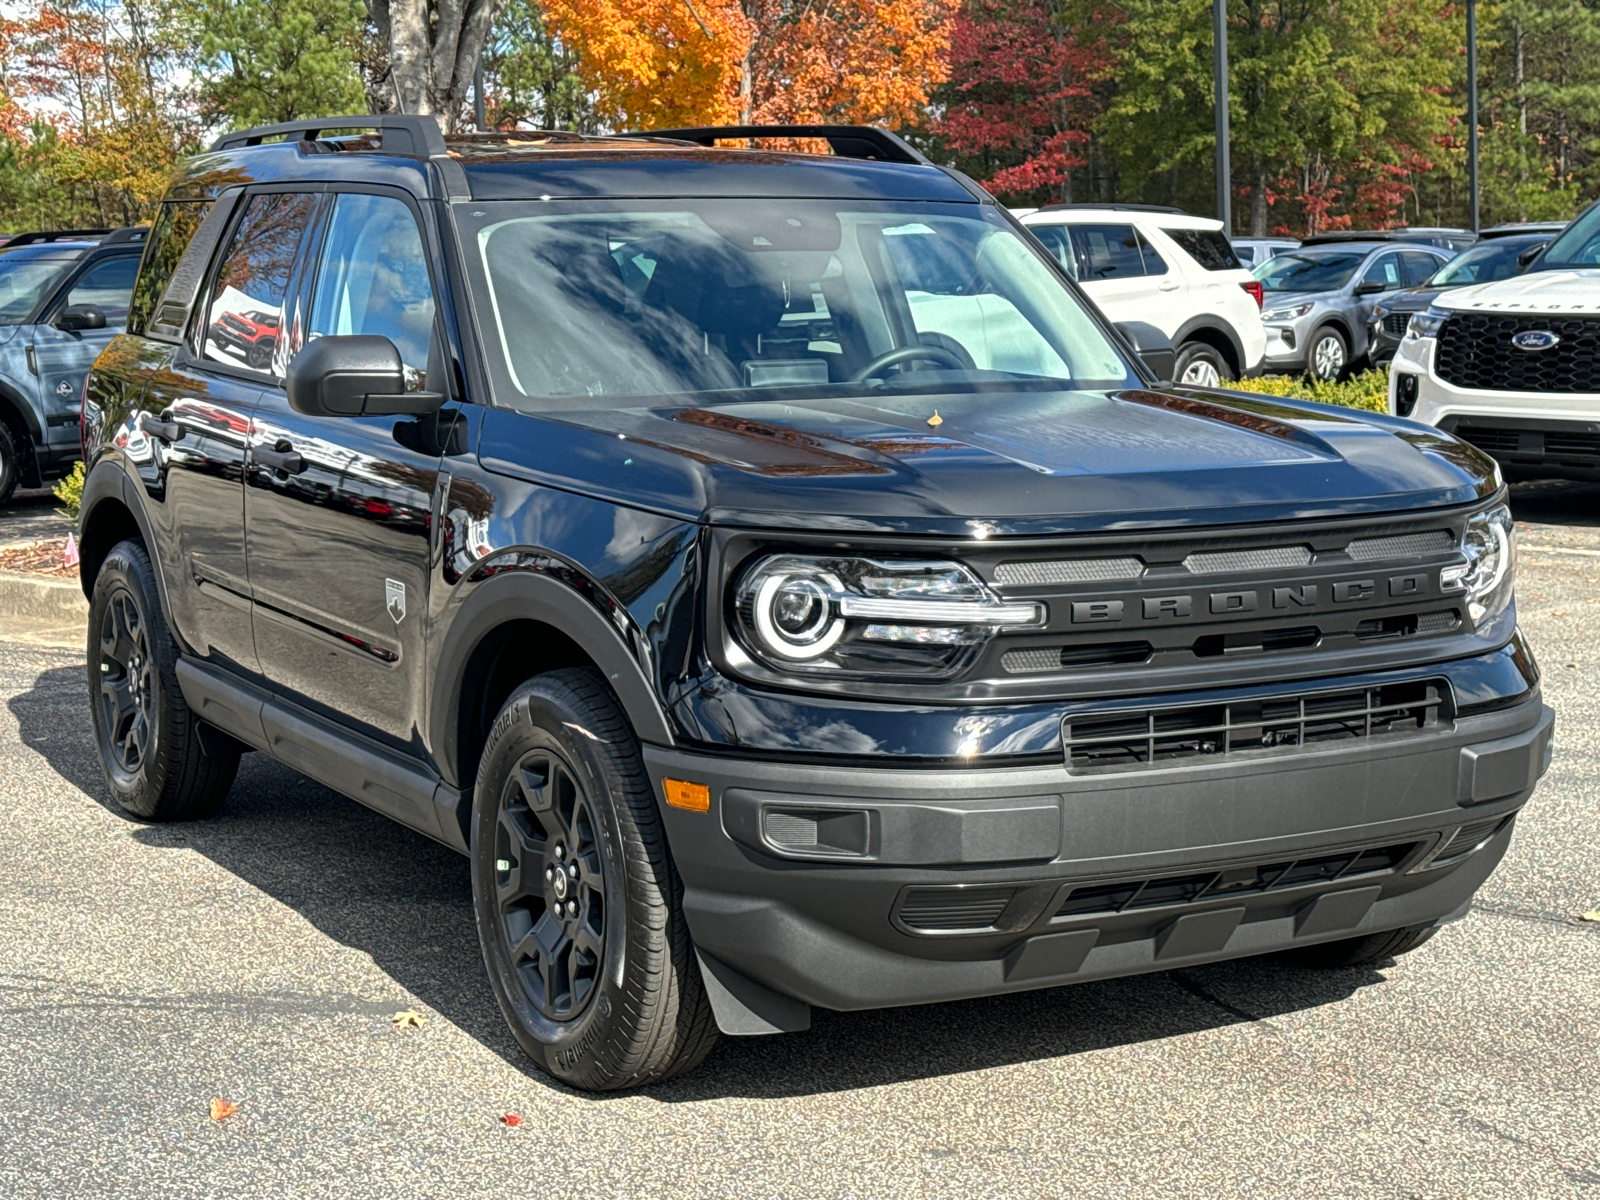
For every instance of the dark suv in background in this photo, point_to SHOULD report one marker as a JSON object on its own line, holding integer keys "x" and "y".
{"x": 780, "y": 581}
{"x": 63, "y": 297}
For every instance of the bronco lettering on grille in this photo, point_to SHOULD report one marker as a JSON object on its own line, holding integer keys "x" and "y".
{"x": 1181, "y": 608}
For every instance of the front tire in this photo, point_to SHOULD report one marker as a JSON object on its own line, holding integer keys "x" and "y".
{"x": 160, "y": 763}
{"x": 578, "y": 904}
{"x": 10, "y": 464}
{"x": 1329, "y": 355}
{"x": 1200, "y": 365}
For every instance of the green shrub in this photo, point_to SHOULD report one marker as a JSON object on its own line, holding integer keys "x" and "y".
{"x": 1368, "y": 390}
{"x": 70, "y": 490}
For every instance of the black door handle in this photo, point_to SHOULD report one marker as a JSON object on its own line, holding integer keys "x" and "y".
{"x": 281, "y": 457}
{"x": 159, "y": 427}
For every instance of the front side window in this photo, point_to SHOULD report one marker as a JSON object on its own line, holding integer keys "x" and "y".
{"x": 244, "y": 319}
{"x": 1308, "y": 270}
{"x": 1577, "y": 246}
{"x": 1384, "y": 271}
{"x": 1057, "y": 239}
{"x": 600, "y": 304}
{"x": 108, "y": 286}
{"x": 372, "y": 278}
{"x": 24, "y": 284}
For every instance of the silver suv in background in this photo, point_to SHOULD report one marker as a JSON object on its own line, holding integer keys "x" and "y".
{"x": 1319, "y": 299}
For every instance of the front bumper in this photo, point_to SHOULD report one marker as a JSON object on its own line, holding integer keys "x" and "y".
{"x": 1531, "y": 434}
{"x": 972, "y": 882}
{"x": 1286, "y": 347}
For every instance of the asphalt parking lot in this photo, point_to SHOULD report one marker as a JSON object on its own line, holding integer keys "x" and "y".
{"x": 260, "y": 956}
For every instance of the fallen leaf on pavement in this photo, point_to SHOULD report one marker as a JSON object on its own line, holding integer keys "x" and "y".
{"x": 223, "y": 1108}
{"x": 511, "y": 1119}
{"x": 410, "y": 1019}
{"x": 1592, "y": 915}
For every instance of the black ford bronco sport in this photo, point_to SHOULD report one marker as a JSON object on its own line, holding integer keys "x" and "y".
{"x": 779, "y": 580}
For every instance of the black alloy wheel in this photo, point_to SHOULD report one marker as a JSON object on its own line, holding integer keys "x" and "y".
{"x": 550, "y": 881}
{"x": 162, "y": 763}
{"x": 127, "y": 694}
{"x": 578, "y": 904}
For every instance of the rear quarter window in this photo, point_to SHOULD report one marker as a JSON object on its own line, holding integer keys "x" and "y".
{"x": 1208, "y": 247}
{"x": 170, "y": 235}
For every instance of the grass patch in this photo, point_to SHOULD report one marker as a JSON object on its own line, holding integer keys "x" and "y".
{"x": 1368, "y": 390}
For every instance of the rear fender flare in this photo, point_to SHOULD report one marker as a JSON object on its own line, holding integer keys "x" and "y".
{"x": 1193, "y": 325}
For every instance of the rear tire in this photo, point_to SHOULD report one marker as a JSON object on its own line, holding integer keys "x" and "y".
{"x": 1356, "y": 952}
{"x": 579, "y": 907}
{"x": 1201, "y": 365}
{"x": 10, "y": 464}
{"x": 161, "y": 763}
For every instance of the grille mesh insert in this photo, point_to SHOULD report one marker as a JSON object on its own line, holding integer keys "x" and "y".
{"x": 1141, "y": 737}
{"x": 1401, "y": 546}
{"x": 1209, "y": 563}
{"x": 1071, "y": 570}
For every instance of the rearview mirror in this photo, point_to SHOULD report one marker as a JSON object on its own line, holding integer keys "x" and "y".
{"x": 1153, "y": 347}
{"x": 354, "y": 375}
{"x": 75, "y": 318}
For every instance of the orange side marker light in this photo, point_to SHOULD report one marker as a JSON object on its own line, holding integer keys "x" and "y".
{"x": 696, "y": 797}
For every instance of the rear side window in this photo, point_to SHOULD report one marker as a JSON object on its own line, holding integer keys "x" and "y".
{"x": 1208, "y": 247}
{"x": 1108, "y": 252}
{"x": 174, "y": 229}
{"x": 1417, "y": 268}
{"x": 108, "y": 286}
{"x": 246, "y": 309}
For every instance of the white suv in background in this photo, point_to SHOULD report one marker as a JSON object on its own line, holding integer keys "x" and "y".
{"x": 1141, "y": 262}
{"x": 1514, "y": 366}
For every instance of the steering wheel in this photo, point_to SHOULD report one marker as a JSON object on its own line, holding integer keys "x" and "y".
{"x": 905, "y": 354}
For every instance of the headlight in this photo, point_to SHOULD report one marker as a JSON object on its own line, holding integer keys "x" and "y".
{"x": 1426, "y": 324}
{"x": 1379, "y": 312}
{"x": 1488, "y": 575}
{"x": 1286, "y": 314}
{"x": 860, "y": 615}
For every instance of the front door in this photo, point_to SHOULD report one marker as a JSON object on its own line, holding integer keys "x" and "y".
{"x": 62, "y": 357}
{"x": 338, "y": 510}
{"x": 1113, "y": 271}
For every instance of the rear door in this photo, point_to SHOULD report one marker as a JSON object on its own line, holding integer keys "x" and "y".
{"x": 338, "y": 510}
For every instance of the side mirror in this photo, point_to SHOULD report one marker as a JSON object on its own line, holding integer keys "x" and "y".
{"x": 1525, "y": 259}
{"x": 1370, "y": 288}
{"x": 75, "y": 318}
{"x": 355, "y": 375}
{"x": 1153, "y": 347}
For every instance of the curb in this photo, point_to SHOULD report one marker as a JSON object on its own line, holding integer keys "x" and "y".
{"x": 35, "y": 596}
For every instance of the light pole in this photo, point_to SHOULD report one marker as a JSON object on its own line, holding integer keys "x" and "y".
{"x": 1472, "y": 114}
{"x": 1219, "y": 39}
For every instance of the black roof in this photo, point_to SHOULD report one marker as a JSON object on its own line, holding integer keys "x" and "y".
{"x": 1151, "y": 208}
{"x": 1516, "y": 228}
{"x": 411, "y": 153}
{"x": 1427, "y": 237}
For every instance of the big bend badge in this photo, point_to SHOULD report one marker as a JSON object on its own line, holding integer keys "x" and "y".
{"x": 394, "y": 595}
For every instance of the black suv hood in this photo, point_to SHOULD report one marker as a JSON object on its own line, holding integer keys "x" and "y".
{"x": 993, "y": 464}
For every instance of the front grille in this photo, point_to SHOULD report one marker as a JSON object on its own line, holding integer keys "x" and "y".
{"x": 1584, "y": 444}
{"x": 1128, "y": 739}
{"x": 1396, "y": 323}
{"x": 937, "y": 909}
{"x": 1072, "y": 570}
{"x": 1161, "y": 890}
{"x": 1475, "y": 352}
{"x": 1495, "y": 441}
{"x": 1264, "y": 559}
{"x": 1400, "y": 547}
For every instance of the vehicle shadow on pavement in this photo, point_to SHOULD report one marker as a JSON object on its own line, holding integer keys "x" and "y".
{"x": 379, "y": 888}
{"x": 1556, "y": 502}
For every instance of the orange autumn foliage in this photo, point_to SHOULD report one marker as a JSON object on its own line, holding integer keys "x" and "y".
{"x": 657, "y": 63}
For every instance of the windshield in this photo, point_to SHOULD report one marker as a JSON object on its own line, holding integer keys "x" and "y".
{"x": 1481, "y": 264}
{"x": 590, "y": 302}
{"x": 1309, "y": 270}
{"x": 24, "y": 282}
{"x": 1577, "y": 246}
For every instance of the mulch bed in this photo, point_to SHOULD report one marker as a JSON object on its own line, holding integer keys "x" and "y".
{"x": 38, "y": 558}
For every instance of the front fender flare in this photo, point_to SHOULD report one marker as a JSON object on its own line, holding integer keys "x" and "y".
{"x": 107, "y": 481}
{"x": 526, "y": 596}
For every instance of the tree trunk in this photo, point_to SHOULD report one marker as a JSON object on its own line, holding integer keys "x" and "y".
{"x": 1258, "y": 196}
{"x": 434, "y": 48}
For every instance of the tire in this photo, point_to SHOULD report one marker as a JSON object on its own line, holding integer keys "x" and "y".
{"x": 616, "y": 1000}
{"x": 160, "y": 763}
{"x": 1200, "y": 365}
{"x": 1355, "y": 952}
{"x": 10, "y": 464}
{"x": 258, "y": 356}
{"x": 1327, "y": 354}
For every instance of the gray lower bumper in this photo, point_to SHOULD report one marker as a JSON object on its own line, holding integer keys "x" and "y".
{"x": 797, "y": 879}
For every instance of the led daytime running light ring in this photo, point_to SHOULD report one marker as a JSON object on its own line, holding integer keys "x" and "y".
{"x": 780, "y": 642}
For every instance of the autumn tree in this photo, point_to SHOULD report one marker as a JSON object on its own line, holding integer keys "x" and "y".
{"x": 432, "y": 48}
{"x": 657, "y": 63}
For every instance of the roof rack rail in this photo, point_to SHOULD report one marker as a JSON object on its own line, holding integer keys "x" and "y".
{"x": 56, "y": 235}
{"x": 1152, "y": 208}
{"x": 128, "y": 233}
{"x": 412, "y": 136}
{"x": 846, "y": 141}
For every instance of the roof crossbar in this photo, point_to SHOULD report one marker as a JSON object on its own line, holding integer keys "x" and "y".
{"x": 412, "y": 136}
{"x": 846, "y": 141}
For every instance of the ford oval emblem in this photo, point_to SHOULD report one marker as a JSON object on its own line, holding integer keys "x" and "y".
{"x": 1535, "y": 339}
